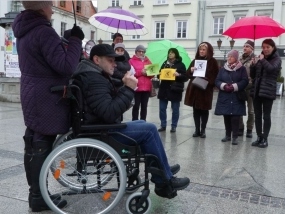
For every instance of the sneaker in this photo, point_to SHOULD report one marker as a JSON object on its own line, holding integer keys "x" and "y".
{"x": 175, "y": 168}
{"x": 161, "y": 129}
{"x": 179, "y": 183}
{"x": 226, "y": 138}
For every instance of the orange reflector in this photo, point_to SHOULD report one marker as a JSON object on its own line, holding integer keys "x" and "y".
{"x": 62, "y": 164}
{"x": 56, "y": 174}
{"x": 106, "y": 196}
{"x": 108, "y": 160}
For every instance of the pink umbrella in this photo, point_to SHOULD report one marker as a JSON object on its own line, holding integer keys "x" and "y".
{"x": 255, "y": 27}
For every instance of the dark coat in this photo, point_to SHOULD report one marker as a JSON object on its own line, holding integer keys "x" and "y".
{"x": 165, "y": 91}
{"x": 120, "y": 71}
{"x": 228, "y": 103}
{"x": 104, "y": 105}
{"x": 202, "y": 99}
{"x": 264, "y": 75}
{"x": 44, "y": 62}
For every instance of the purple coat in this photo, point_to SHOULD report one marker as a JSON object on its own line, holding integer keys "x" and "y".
{"x": 44, "y": 63}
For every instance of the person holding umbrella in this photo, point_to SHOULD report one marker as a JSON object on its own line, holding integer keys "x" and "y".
{"x": 118, "y": 38}
{"x": 44, "y": 62}
{"x": 264, "y": 71}
{"x": 246, "y": 60}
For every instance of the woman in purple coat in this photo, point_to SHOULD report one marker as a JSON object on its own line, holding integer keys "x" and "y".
{"x": 44, "y": 62}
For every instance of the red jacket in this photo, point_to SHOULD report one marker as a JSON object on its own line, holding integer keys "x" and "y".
{"x": 144, "y": 82}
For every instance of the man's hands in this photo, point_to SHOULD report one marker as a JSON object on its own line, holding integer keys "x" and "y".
{"x": 229, "y": 88}
{"x": 130, "y": 81}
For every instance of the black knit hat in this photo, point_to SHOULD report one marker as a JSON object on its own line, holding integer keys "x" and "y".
{"x": 117, "y": 35}
{"x": 250, "y": 43}
{"x": 105, "y": 50}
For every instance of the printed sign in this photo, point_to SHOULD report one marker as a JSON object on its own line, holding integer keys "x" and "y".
{"x": 167, "y": 74}
{"x": 200, "y": 68}
{"x": 152, "y": 70}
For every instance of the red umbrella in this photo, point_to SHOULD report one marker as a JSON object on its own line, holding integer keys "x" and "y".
{"x": 254, "y": 27}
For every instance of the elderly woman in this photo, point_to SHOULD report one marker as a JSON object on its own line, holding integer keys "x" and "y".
{"x": 231, "y": 79}
{"x": 264, "y": 71}
{"x": 138, "y": 61}
{"x": 44, "y": 62}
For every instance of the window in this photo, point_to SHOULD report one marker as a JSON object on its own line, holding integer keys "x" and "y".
{"x": 264, "y": 13}
{"x": 111, "y": 34}
{"x": 218, "y": 25}
{"x": 62, "y": 3}
{"x": 238, "y": 17}
{"x": 160, "y": 1}
{"x": 136, "y": 37}
{"x": 78, "y": 6}
{"x": 92, "y": 35}
{"x": 181, "y": 29}
{"x": 183, "y": 1}
{"x": 62, "y": 28}
{"x": 115, "y": 3}
{"x": 159, "y": 30}
{"x": 137, "y": 2}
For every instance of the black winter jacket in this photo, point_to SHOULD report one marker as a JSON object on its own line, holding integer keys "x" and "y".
{"x": 119, "y": 72}
{"x": 103, "y": 104}
{"x": 165, "y": 91}
{"x": 264, "y": 75}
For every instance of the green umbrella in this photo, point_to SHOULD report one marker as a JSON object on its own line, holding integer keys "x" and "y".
{"x": 157, "y": 52}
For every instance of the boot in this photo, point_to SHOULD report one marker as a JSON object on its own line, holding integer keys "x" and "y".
{"x": 258, "y": 141}
{"x": 234, "y": 141}
{"x": 41, "y": 150}
{"x": 226, "y": 138}
{"x": 263, "y": 143}
{"x": 240, "y": 132}
{"x": 161, "y": 129}
{"x": 203, "y": 133}
{"x": 196, "y": 133}
{"x": 249, "y": 133}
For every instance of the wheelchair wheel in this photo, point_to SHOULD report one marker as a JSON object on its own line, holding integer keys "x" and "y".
{"x": 62, "y": 138}
{"x": 84, "y": 164}
{"x": 133, "y": 206}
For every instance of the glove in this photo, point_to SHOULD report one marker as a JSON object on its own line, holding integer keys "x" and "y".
{"x": 229, "y": 88}
{"x": 77, "y": 32}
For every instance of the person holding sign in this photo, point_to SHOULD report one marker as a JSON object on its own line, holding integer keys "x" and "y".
{"x": 201, "y": 100}
{"x": 142, "y": 93}
{"x": 172, "y": 76}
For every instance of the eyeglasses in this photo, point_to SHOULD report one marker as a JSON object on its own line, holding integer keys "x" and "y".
{"x": 141, "y": 51}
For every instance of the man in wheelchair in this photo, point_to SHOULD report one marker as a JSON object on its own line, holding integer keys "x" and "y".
{"x": 105, "y": 105}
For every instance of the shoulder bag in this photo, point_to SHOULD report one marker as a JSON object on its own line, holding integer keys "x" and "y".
{"x": 200, "y": 83}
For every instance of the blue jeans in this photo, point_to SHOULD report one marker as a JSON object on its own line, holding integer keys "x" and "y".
{"x": 175, "y": 105}
{"x": 146, "y": 135}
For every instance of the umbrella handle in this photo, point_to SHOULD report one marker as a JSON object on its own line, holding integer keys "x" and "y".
{"x": 74, "y": 13}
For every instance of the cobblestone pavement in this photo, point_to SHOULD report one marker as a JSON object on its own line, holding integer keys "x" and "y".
{"x": 224, "y": 178}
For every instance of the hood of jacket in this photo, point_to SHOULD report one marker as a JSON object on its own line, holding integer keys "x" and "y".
{"x": 26, "y": 21}
{"x": 210, "y": 52}
{"x": 87, "y": 65}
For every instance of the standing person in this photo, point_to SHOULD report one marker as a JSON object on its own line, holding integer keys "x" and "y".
{"x": 201, "y": 100}
{"x": 138, "y": 61}
{"x": 246, "y": 59}
{"x": 168, "y": 91}
{"x": 118, "y": 38}
{"x": 44, "y": 62}
{"x": 106, "y": 105}
{"x": 264, "y": 72}
{"x": 231, "y": 79}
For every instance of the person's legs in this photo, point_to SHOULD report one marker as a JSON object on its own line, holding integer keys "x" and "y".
{"x": 257, "y": 104}
{"x": 144, "y": 103}
{"x": 267, "y": 107}
{"x": 250, "y": 117}
{"x": 162, "y": 112}
{"x": 197, "y": 121}
{"x": 175, "y": 105}
{"x": 235, "y": 128}
{"x": 204, "y": 120}
{"x": 136, "y": 107}
{"x": 241, "y": 126}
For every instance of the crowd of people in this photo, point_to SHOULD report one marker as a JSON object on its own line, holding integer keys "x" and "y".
{"x": 112, "y": 80}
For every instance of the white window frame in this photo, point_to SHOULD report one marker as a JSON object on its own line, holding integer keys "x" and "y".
{"x": 136, "y": 2}
{"x": 160, "y": 32}
{"x": 63, "y": 26}
{"x": 182, "y": 23}
{"x": 182, "y": 1}
{"x": 111, "y": 35}
{"x": 264, "y": 13}
{"x": 218, "y": 28}
{"x": 114, "y": 3}
{"x": 136, "y": 37}
{"x": 160, "y": 2}
{"x": 238, "y": 17}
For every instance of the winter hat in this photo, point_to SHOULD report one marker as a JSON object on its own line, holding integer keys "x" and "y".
{"x": 117, "y": 35}
{"x": 119, "y": 45}
{"x": 250, "y": 43}
{"x": 36, "y": 5}
{"x": 140, "y": 47}
{"x": 234, "y": 53}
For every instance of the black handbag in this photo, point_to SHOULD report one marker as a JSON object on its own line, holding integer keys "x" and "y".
{"x": 242, "y": 95}
{"x": 177, "y": 87}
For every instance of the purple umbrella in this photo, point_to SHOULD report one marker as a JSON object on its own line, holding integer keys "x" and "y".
{"x": 117, "y": 20}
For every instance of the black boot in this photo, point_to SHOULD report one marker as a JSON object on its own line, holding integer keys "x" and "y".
{"x": 258, "y": 141}
{"x": 203, "y": 133}
{"x": 249, "y": 133}
{"x": 234, "y": 141}
{"x": 41, "y": 150}
{"x": 263, "y": 143}
{"x": 240, "y": 132}
{"x": 196, "y": 133}
{"x": 226, "y": 138}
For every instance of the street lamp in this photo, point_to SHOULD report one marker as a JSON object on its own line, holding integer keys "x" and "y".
{"x": 219, "y": 43}
{"x": 100, "y": 41}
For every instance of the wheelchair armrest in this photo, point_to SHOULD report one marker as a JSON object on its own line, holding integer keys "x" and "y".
{"x": 103, "y": 126}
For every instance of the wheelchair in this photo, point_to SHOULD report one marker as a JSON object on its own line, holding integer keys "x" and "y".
{"x": 91, "y": 170}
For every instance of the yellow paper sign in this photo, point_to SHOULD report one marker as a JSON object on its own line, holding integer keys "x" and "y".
{"x": 167, "y": 74}
{"x": 152, "y": 70}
